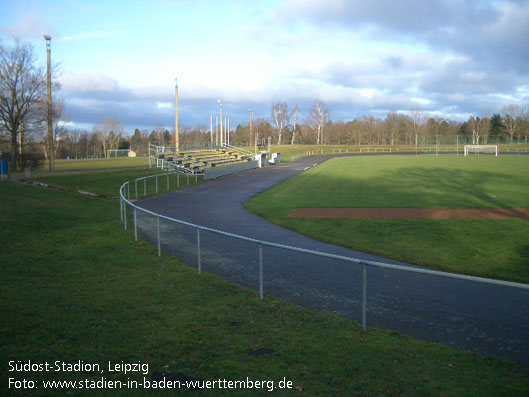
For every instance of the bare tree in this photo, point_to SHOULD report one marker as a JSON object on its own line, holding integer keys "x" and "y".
{"x": 319, "y": 115}
{"x": 109, "y": 132}
{"x": 262, "y": 130}
{"x": 419, "y": 118}
{"x": 74, "y": 136}
{"x": 294, "y": 114}
{"x": 511, "y": 116}
{"x": 480, "y": 128}
{"x": 59, "y": 129}
{"x": 392, "y": 127}
{"x": 524, "y": 125}
{"x": 22, "y": 86}
{"x": 280, "y": 117}
{"x": 484, "y": 127}
{"x": 473, "y": 124}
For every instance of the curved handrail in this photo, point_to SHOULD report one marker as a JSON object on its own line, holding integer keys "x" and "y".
{"x": 364, "y": 262}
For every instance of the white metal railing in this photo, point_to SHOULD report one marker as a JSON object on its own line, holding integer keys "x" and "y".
{"x": 445, "y": 149}
{"x": 124, "y": 193}
{"x": 238, "y": 149}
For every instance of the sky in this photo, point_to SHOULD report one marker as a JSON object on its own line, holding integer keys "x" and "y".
{"x": 450, "y": 58}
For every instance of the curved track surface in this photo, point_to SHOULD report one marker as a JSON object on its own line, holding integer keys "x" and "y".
{"x": 486, "y": 319}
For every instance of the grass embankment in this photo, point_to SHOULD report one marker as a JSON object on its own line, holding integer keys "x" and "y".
{"x": 96, "y": 164}
{"x": 107, "y": 183}
{"x": 497, "y": 248}
{"x": 75, "y": 286}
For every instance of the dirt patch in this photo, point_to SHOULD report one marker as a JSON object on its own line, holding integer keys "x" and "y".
{"x": 392, "y": 213}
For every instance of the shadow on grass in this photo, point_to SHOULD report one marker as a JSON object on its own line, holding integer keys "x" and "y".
{"x": 462, "y": 189}
{"x": 485, "y": 247}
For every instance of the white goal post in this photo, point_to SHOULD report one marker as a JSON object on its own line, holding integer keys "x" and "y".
{"x": 481, "y": 149}
{"x": 120, "y": 153}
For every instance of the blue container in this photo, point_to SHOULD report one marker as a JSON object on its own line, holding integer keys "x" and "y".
{"x": 4, "y": 167}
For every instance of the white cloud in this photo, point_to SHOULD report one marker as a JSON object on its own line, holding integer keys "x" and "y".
{"x": 73, "y": 82}
{"x": 28, "y": 27}
{"x": 422, "y": 101}
{"x": 370, "y": 57}
{"x": 85, "y": 36}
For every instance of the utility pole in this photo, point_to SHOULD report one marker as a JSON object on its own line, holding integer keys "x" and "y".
{"x": 251, "y": 117}
{"x": 51, "y": 140}
{"x": 176, "y": 134}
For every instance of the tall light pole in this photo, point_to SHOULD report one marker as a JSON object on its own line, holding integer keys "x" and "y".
{"x": 251, "y": 117}
{"x": 220, "y": 119}
{"x": 176, "y": 134}
{"x": 51, "y": 142}
{"x": 217, "y": 131}
{"x": 211, "y": 128}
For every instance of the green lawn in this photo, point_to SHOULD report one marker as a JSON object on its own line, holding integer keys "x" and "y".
{"x": 96, "y": 164}
{"x": 108, "y": 183}
{"x": 291, "y": 152}
{"x": 489, "y": 248}
{"x": 75, "y": 286}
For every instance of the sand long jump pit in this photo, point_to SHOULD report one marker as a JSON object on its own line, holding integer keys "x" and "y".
{"x": 395, "y": 213}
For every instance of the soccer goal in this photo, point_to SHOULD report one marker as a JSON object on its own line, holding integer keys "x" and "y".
{"x": 118, "y": 153}
{"x": 488, "y": 149}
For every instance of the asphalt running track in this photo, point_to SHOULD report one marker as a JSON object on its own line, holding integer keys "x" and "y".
{"x": 485, "y": 319}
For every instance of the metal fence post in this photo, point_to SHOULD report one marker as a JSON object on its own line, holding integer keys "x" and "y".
{"x": 144, "y": 187}
{"x": 178, "y": 180}
{"x": 198, "y": 252}
{"x": 136, "y": 187}
{"x": 135, "y": 226}
{"x": 156, "y": 179}
{"x": 128, "y": 190}
{"x": 187, "y": 179}
{"x": 260, "y": 271}
{"x": 121, "y": 206}
{"x": 196, "y": 179}
{"x": 125, "y": 214}
{"x": 158, "y": 233}
{"x": 167, "y": 182}
{"x": 364, "y": 295}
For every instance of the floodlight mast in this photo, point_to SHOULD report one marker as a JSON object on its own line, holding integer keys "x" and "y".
{"x": 220, "y": 119}
{"x": 51, "y": 140}
{"x": 176, "y": 134}
{"x": 250, "y": 143}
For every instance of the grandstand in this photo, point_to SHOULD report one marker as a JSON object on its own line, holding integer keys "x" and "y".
{"x": 198, "y": 161}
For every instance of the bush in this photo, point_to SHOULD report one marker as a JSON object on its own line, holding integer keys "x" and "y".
{"x": 32, "y": 160}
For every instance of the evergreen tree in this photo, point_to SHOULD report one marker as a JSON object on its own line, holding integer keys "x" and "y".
{"x": 497, "y": 128}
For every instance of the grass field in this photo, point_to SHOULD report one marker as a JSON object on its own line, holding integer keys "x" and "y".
{"x": 75, "y": 286}
{"x": 96, "y": 164}
{"x": 291, "y": 152}
{"x": 483, "y": 247}
{"x": 107, "y": 183}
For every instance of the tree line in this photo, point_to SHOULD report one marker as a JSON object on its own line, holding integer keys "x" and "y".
{"x": 23, "y": 131}
{"x": 284, "y": 127}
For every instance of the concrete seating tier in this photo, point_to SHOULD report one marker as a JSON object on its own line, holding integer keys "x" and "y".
{"x": 226, "y": 162}
{"x": 195, "y": 161}
{"x": 210, "y": 159}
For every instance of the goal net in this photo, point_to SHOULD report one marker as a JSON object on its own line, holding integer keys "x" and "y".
{"x": 477, "y": 149}
{"x": 118, "y": 152}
